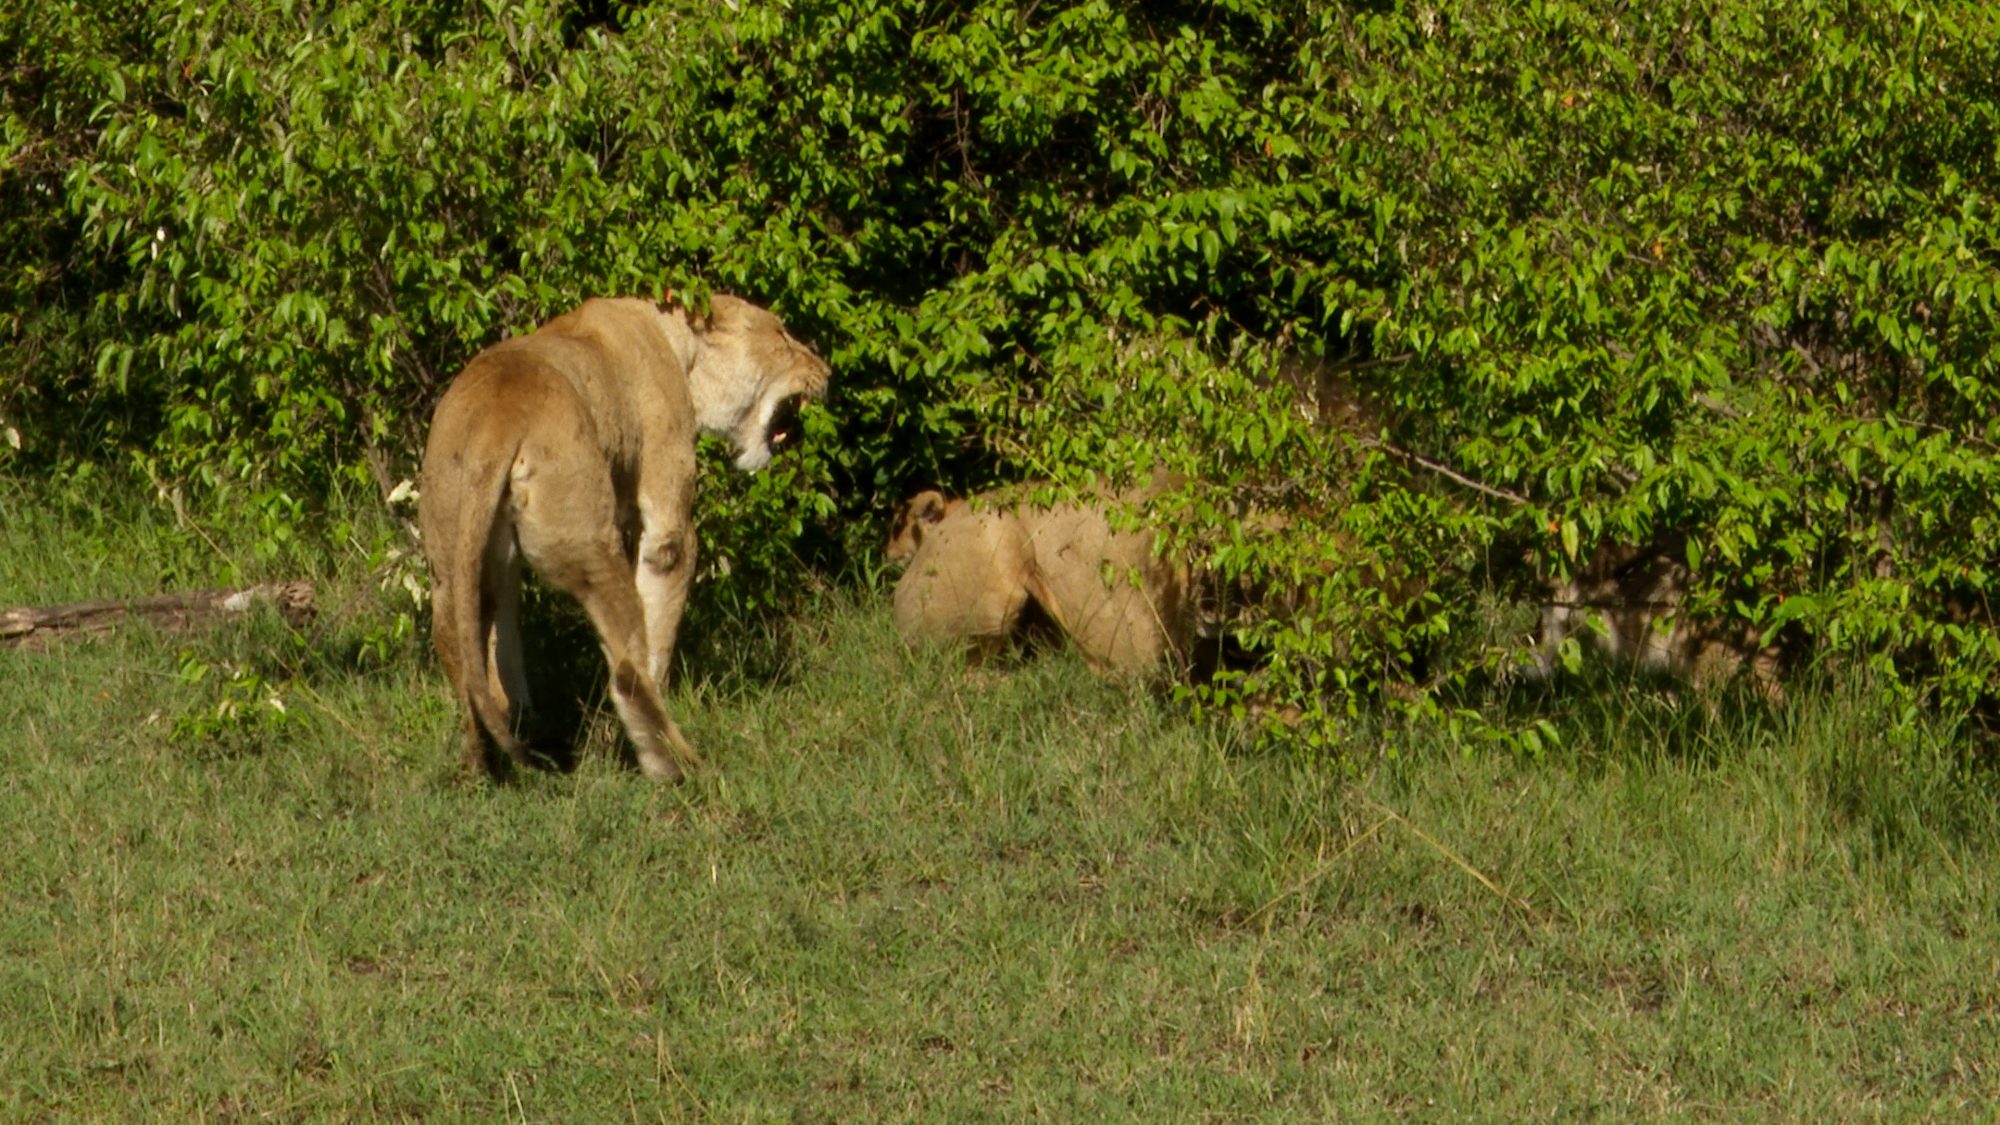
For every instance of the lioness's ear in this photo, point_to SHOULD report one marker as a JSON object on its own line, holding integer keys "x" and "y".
{"x": 670, "y": 302}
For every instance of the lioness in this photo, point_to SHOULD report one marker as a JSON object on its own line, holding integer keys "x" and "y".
{"x": 573, "y": 448}
{"x": 1637, "y": 593}
{"x": 976, "y": 570}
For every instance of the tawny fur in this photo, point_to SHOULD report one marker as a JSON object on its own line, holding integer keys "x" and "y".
{"x": 572, "y": 450}
{"x": 1636, "y": 593}
{"x": 975, "y": 569}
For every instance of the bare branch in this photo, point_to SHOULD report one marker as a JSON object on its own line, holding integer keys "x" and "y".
{"x": 1447, "y": 472}
{"x": 1710, "y": 402}
{"x": 33, "y": 627}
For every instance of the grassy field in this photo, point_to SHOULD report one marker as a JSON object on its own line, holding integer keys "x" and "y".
{"x": 909, "y": 892}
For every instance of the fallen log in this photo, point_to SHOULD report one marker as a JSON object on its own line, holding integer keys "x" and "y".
{"x": 35, "y": 626}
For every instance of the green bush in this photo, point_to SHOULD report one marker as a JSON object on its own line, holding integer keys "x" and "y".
{"x": 1564, "y": 273}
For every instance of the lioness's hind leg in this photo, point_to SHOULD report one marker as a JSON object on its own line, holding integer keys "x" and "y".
{"x": 662, "y": 574}
{"x": 578, "y": 551}
{"x": 505, "y": 668}
{"x": 597, "y": 573}
{"x": 613, "y": 606}
{"x": 474, "y": 749}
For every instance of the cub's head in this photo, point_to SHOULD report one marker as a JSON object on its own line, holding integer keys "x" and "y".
{"x": 751, "y": 380}
{"x": 913, "y": 518}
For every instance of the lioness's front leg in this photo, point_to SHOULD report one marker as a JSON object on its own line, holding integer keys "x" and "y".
{"x": 663, "y": 572}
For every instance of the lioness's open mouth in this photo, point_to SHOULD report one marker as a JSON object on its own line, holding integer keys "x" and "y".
{"x": 784, "y": 427}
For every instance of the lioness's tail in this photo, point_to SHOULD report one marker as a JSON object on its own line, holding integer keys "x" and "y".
{"x": 485, "y": 491}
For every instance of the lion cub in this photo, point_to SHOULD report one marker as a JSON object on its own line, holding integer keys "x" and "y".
{"x": 572, "y": 450}
{"x": 1637, "y": 593}
{"x": 976, "y": 570}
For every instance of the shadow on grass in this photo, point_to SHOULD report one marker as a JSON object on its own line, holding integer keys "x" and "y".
{"x": 717, "y": 653}
{"x": 1839, "y": 744}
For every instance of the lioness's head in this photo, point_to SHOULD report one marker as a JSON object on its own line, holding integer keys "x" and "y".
{"x": 906, "y": 530}
{"x": 752, "y": 378}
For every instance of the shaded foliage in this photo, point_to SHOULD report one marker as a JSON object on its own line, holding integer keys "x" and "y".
{"x": 1464, "y": 288}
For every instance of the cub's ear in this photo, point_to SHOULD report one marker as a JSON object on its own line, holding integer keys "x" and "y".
{"x": 928, "y": 506}
{"x": 906, "y": 530}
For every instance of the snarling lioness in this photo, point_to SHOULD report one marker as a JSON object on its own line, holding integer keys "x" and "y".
{"x": 975, "y": 572}
{"x": 572, "y": 449}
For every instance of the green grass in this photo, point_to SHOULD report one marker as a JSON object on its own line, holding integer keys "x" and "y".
{"x": 909, "y": 892}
